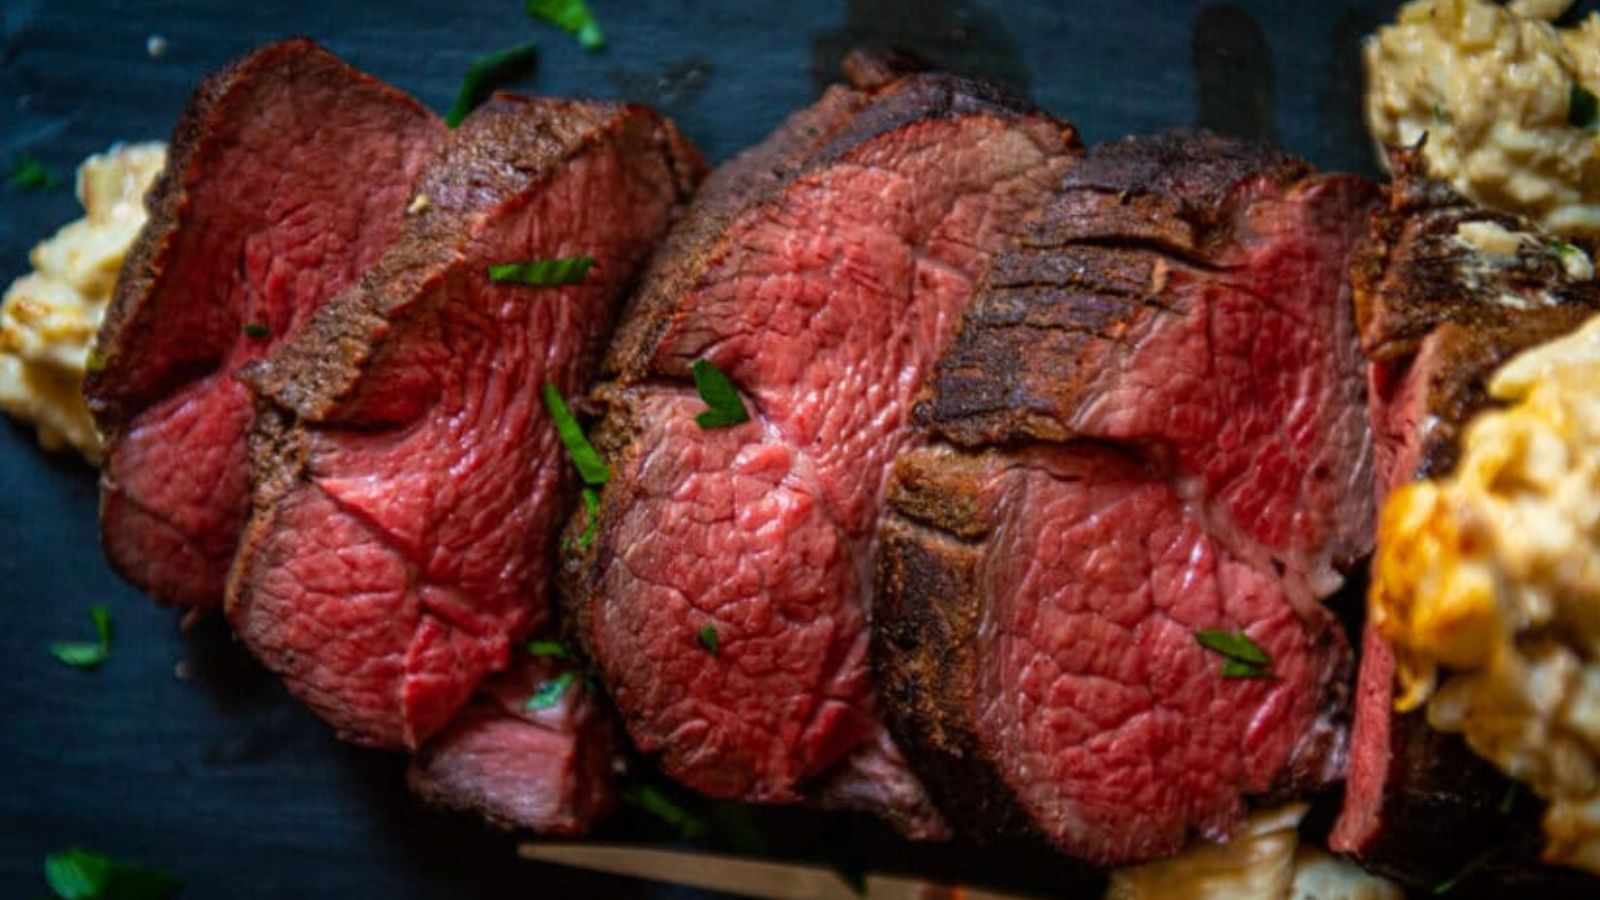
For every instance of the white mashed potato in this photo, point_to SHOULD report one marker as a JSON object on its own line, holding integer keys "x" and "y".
{"x": 1488, "y": 585}
{"x": 1507, "y": 102}
{"x": 49, "y": 317}
{"x": 1263, "y": 860}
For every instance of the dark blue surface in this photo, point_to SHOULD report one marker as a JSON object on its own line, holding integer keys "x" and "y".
{"x": 221, "y": 778}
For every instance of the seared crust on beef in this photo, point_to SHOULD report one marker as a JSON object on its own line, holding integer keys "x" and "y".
{"x": 129, "y": 375}
{"x": 407, "y": 481}
{"x": 318, "y": 376}
{"x": 1416, "y": 273}
{"x": 1041, "y": 574}
{"x": 1015, "y": 371}
{"x": 929, "y": 602}
{"x": 288, "y": 175}
{"x": 1009, "y": 154}
{"x": 1437, "y": 318}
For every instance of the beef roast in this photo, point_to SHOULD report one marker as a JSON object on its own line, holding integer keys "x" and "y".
{"x": 1151, "y": 423}
{"x": 1438, "y": 314}
{"x": 549, "y": 769}
{"x": 822, "y": 271}
{"x": 408, "y": 479}
{"x": 289, "y": 174}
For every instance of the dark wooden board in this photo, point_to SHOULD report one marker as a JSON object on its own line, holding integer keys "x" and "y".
{"x": 221, "y": 778}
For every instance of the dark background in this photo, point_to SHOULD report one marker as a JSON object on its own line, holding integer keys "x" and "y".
{"x": 221, "y": 778}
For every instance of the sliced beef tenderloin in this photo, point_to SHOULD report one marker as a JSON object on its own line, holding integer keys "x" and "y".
{"x": 1440, "y": 308}
{"x": 1150, "y": 424}
{"x": 408, "y": 478}
{"x": 534, "y": 750}
{"x": 289, "y": 174}
{"x": 822, "y": 271}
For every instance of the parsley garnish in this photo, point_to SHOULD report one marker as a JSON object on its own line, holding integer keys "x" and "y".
{"x": 257, "y": 330}
{"x": 652, "y": 800}
{"x": 591, "y": 508}
{"x": 550, "y": 693}
{"x": 77, "y": 874}
{"x": 709, "y": 640}
{"x": 86, "y": 655}
{"x": 571, "y": 16}
{"x": 1242, "y": 657}
{"x": 27, "y": 172}
{"x": 1476, "y": 863}
{"x": 719, "y": 394}
{"x": 94, "y": 361}
{"x": 591, "y": 468}
{"x": 548, "y": 650}
{"x": 486, "y": 72}
{"x": 544, "y": 272}
{"x": 1582, "y": 107}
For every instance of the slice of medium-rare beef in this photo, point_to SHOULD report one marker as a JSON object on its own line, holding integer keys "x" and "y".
{"x": 289, "y": 174}
{"x": 822, "y": 272}
{"x": 1152, "y": 426}
{"x": 408, "y": 479}
{"x": 1445, "y": 292}
{"x": 535, "y": 749}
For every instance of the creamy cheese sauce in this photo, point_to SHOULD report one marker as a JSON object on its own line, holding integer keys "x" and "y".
{"x": 49, "y": 317}
{"x": 1488, "y": 585}
{"x": 1492, "y": 87}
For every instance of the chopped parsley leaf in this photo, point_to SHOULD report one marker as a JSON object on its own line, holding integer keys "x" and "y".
{"x": 77, "y": 874}
{"x": 1242, "y": 657}
{"x": 1476, "y": 863}
{"x": 84, "y": 655}
{"x": 484, "y": 74}
{"x": 591, "y": 467}
{"x": 543, "y": 272}
{"x": 27, "y": 172}
{"x": 550, "y": 693}
{"x": 591, "y": 508}
{"x": 1583, "y": 109}
{"x": 257, "y": 330}
{"x": 1232, "y": 668}
{"x": 95, "y": 361}
{"x": 571, "y": 16}
{"x": 719, "y": 394}
{"x": 548, "y": 650}
{"x": 709, "y": 639}
{"x": 654, "y": 801}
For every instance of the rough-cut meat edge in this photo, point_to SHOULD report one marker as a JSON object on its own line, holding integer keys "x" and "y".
{"x": 307, "y": 379}
{"x": 125, "y": 323}
{"x": 807, "y": 141}
{"x": 128, "y": 323}
{"x": 445, "y": 773}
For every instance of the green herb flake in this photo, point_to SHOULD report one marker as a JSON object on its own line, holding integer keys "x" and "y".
{"x": 1562, "y": 249}
{"x": 591, "y": 508}
{"x": 1235, "y": 645}
{"x": 591, "y": 467}
{"x": 483, "y": 76}
{"x": 655, "y": 802}
{"x": 548, "y": 650}
{"x": 544, "y": 272}
{"x": 95, "y": 361}
{"x": 1477, "y": 862}
{"x": 1583, "y": 109}
{"x": 1232, "y": 668}
{"x": 719, "y": 394}
{"x": 550, "y": 693}
{"x": 84, "y": 655}
{"x": 257, "y": 330}
{"x": 571, "y": 16}
{"x": 27, "y": 172}
{"x": 77, "y": 874}
{"x": 709, "y": 639}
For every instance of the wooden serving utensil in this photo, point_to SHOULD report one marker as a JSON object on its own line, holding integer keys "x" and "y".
{"x": 758, "y": 878}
